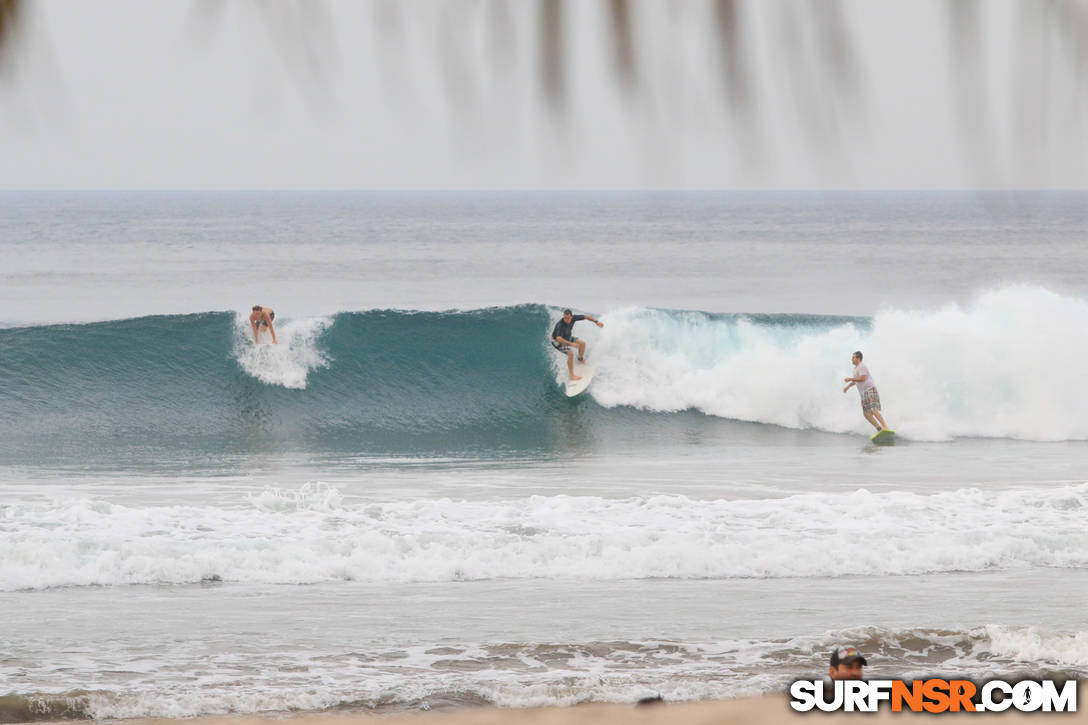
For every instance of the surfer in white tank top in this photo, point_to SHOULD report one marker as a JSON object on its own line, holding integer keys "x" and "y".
{"x": 870, "y": 398}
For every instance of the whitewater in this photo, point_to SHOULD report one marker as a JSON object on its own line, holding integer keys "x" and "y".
{"x": 310, "y": 535}
{"x": 397, "y": 507}
{"x": 973, "y": 370}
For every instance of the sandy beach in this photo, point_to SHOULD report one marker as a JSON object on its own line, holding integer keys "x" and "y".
{"x": 765, "y": 710}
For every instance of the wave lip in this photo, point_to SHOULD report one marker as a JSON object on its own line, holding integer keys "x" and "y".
{"x": 312, "y": 536}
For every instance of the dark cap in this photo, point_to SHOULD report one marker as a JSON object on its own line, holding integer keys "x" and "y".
{"x": 846, "y": 655}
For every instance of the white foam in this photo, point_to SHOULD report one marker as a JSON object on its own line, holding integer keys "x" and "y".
{"x": 312, "y": 535}
{"x": 1011, "y": 364}
{"x": 287, "y": 364}
{"x": 311, "y": 496}
{"x": 533, "y": 675}
{"x": 1035, "y": 646}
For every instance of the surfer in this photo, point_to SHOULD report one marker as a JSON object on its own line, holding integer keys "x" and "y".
{"x": 565, "y": 342}
{"x": 262, "y": 317}
{"x": 870, "y": 399}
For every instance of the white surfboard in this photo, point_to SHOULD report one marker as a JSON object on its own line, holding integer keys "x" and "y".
{"x": 575, "y": 387}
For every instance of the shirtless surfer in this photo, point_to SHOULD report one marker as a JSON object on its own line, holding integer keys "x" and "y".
{"x": 262, "y": 316}
{"x": 564, "y": 340}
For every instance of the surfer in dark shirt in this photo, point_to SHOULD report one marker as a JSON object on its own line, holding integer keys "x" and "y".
{"x": 564, "y": 341}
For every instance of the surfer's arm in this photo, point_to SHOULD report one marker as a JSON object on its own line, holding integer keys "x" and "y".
{"x": 273, "y": 331}
{"x": 594, "y": 320}
{"x": 562, "y": 341}
{"x": 852, "y": 383}
{"x": 254, "y": 326}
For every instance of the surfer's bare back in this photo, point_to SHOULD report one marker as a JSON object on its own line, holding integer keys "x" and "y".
{"x": 262, "y": 316}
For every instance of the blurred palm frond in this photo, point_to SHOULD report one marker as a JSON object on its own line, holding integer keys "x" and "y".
{"x": 552, "y": 79}
{"x": 10, "y": 15}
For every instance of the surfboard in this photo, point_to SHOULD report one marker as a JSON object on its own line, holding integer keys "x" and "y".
{"x": 576, "y": 387}
{"x": 885, "y": 437}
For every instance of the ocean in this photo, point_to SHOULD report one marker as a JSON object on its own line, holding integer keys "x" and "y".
{"x": 397, "y": 507}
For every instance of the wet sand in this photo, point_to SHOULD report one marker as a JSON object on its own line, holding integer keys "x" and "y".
{"x": 766, "y": 710}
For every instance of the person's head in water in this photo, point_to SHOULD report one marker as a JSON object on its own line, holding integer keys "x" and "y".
{"x": 846, "y": 664}
{"x": 857, "y": 357}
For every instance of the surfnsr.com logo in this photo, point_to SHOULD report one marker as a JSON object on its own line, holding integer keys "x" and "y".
{"x": 933, "y": 695}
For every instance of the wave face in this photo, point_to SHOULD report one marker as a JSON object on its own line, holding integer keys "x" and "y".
{"x": 1009, "y": 365}
{"x": 310, "y": 535}
{"x": 380, "y": 379}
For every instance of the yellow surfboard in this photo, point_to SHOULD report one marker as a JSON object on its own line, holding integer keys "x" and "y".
{"x": 884, "y": 437}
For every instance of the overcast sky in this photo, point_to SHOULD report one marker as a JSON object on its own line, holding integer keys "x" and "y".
{"x": 200, "y": 94}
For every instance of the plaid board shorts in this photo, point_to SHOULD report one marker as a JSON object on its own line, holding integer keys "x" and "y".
{"x": 870, "y": 400}
{"x": 563, "y": 348}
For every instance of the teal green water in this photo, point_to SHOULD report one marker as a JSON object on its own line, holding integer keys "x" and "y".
{"x": 375, "y": 383}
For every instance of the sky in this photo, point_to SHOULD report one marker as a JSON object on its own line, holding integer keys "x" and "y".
{"x": 459, "y": 94}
